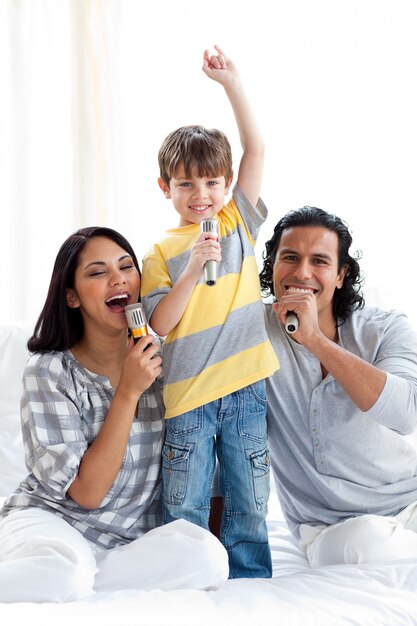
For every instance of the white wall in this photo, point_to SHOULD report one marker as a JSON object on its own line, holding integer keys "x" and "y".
{"x": 332, "y": 81}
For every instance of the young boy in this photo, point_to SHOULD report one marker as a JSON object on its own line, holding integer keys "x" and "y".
{"x": 216, "y": 353}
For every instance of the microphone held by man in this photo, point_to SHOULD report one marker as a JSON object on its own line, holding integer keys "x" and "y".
{"x": 291, "y": 323}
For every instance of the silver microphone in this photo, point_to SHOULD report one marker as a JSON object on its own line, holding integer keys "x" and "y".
{"x": 291, "y": 323}
{"x": 136, "y": 320}
{"x": 210, "y": 225}
{"x": 138, "y": 326}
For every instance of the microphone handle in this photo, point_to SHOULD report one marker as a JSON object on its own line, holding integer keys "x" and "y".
{"x": 210, "y": 225}
{"x": 291, "y": 323}
{"x": 210, "y": 273}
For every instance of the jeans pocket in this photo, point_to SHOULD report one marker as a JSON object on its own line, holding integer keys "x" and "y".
{"x": 175, "y": 460}
{"x": 261, "y": 477}
{"x": 186, "y": 423}
{"x": 251, "y": 421}
{"x": 256, "y": 400}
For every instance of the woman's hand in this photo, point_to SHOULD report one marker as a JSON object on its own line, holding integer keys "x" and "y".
{"x": 141, "y": 367}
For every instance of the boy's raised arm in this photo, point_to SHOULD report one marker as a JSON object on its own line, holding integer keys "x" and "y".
{"x": 221, "y": 69}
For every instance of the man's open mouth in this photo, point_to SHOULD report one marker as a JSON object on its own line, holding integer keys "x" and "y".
{"x": 305, "y": 289}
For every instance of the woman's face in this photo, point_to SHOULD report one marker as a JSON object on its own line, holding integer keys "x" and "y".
{"x": 105, "y": 281}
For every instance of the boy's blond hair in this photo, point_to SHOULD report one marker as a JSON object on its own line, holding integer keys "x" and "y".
{"x": 202, "y": 151}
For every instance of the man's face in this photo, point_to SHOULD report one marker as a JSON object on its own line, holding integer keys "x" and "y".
{"x": 307, "y": 258}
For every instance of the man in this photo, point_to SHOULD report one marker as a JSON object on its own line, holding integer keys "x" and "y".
{"x": 342, "y": 402}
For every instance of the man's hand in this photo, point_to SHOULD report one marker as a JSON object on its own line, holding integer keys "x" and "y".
{"x": 304, "y": 304}
{"x": 362, "y": 382}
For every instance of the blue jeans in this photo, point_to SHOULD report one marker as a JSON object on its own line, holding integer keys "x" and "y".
{"x": 235, "y": 427}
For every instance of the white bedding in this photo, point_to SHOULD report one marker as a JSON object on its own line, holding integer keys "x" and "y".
{"x": 297, "y": 595}
{"x": 382, "y": 595}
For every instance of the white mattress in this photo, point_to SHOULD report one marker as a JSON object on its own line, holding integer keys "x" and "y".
{"x": 297, "y": 595}
{"x": 380, "y": 595}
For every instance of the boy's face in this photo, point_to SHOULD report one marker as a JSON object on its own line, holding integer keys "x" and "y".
{"x": 195, "y": 198}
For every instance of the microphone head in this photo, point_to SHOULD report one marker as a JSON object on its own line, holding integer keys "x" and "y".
{"x": 209, "y": 225}
{"x": 136, "y": 320}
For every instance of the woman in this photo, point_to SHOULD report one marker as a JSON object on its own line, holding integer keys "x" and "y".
{"x": 92, "y": 426}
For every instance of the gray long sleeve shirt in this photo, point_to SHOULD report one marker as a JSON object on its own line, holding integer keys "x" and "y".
{"x": 331, "y": 461}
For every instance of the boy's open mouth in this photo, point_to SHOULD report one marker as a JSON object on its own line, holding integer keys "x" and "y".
{"x": 200, "y": 208}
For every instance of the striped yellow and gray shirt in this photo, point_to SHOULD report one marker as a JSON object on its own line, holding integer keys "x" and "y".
{"x": 220, "y": 344}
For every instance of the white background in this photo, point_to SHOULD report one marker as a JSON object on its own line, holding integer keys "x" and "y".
{"x": 91, "y": 87}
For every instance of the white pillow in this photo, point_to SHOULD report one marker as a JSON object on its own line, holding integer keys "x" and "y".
{"x": 13, "y": 357}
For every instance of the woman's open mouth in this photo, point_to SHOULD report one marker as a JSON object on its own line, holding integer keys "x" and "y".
{"x": 118, "y": 303}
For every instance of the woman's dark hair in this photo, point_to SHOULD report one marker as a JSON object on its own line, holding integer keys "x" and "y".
{"x": 349, "y": 296}
{"x": 59, "y": 327}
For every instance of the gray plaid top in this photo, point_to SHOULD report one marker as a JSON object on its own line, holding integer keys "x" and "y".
{"x": 63, "y": 407}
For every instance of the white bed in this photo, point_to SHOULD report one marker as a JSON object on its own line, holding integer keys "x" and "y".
{"x": 297, "y": 595}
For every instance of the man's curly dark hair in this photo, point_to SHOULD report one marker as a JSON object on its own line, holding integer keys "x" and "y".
{"x": 346, "y": 299}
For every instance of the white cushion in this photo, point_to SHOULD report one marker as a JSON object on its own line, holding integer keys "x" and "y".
{"x": 13, "y": 357}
